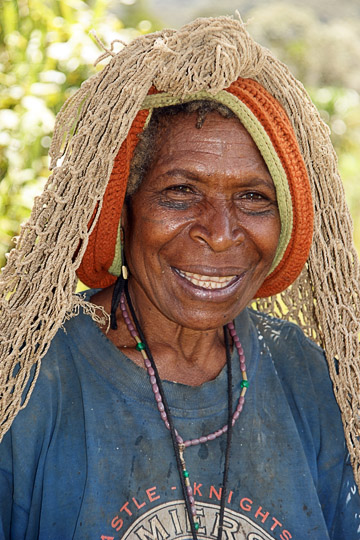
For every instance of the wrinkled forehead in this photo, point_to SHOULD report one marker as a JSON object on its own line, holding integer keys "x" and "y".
{"x": 205, "y": 142}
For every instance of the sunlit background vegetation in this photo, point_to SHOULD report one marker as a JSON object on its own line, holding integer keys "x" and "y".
{"x": 46, "y": 51}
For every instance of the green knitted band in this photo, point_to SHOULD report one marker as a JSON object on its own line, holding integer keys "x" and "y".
{"x": 115, "y": 268}
{"x": 262, "y": 141}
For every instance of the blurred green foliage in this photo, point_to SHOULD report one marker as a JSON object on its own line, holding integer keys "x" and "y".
{"x": 340, "y": 108}
{"x": 46, "y": 52}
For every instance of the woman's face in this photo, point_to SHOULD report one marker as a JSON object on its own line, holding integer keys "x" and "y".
{"x": 202, "y": 230}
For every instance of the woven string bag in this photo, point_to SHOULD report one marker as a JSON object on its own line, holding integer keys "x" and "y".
{"x": 37, "y": 286}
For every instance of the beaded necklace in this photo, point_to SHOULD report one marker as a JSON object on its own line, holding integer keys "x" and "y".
{"x": 179, "y": 444}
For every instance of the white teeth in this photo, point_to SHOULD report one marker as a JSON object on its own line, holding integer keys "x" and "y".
{"x": 207, "y": 282}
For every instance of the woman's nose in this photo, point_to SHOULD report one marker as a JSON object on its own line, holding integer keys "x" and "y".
{"x": 218, "y": 227}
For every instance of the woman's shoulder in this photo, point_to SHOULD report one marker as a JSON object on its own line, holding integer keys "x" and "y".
{"x": 73, "y": 334}
{"x": 300, "y": 363}
{"x": 301, "y": 375}
{"x": 68, "y": 342}
{"x": 279, "y": 333}
{"x": 59, "y": 375}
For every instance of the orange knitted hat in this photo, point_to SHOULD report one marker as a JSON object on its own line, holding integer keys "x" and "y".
{"x": 260, "y": 105}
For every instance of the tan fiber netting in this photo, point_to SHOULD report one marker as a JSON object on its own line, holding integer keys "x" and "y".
{"x": 37, "y": 285}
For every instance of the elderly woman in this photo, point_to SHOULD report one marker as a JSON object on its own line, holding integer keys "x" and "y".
{"x": 191, "y": 167}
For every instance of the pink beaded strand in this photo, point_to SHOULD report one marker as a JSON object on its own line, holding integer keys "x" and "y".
{"x": 155, "y": 389}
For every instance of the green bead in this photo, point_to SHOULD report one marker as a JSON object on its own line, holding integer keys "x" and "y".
{"x": 196, "y": 526}
{"x": 186, "y": 474}
{"x": 140, "y": 346}
{"x": 244, "y": 384}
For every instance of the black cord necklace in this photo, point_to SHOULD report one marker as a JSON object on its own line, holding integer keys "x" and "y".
{"x": 177, "y": 442}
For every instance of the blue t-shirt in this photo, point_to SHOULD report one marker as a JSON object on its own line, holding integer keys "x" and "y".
{"x": 90, "y": 458}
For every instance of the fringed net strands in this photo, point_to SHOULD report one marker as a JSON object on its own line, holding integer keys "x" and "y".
{"x": 38, "y": 283}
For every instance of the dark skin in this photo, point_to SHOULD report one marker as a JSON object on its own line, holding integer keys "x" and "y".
{"x": 201, "y": 233}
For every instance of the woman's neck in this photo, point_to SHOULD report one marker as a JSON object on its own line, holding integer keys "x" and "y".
{"x": 181, "y": 354}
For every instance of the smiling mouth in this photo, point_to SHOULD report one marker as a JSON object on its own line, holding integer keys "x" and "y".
{"x": 207, "y": 282}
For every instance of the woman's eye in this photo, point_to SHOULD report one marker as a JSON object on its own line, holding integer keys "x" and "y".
{"x": 254, "y": 196}
{"x": 178, "y": 196}
{"x": 253, "y": 201}
{"x": 184, "y": 189}
{"x": 179, "y": 191}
